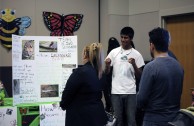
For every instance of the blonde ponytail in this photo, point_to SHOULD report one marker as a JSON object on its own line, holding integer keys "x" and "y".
{"x": 96, "y": 57}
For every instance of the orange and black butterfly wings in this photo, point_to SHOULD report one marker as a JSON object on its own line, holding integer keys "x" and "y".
{"x": 62, "y": 25}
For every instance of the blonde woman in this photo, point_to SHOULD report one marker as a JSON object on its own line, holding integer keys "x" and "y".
{"x": 82, "y": 95}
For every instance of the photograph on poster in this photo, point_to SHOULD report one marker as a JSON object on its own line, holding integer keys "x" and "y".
{"x": 47, "y": 46}
{"x": 28, "y": 115}
{"x": 27, "y": 49}
{"x": 49, "y": 90}
{"x": 16, "y": 86}
{"x": 9, "y": 111}
{"x": 68, "y": 65}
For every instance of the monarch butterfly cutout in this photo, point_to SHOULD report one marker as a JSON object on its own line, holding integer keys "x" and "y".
{"x": 23, "y": 111}
{"x": 62, "y": 25}
{"x": 9, "y": 25}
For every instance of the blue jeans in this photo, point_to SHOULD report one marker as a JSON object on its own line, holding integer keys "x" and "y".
{"x": 124, "y": 106}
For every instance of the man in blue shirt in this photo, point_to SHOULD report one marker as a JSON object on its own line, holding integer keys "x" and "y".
{"x": 161, "y": 82}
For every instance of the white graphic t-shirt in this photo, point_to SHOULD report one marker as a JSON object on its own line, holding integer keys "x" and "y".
{"x": 123, "y": 77}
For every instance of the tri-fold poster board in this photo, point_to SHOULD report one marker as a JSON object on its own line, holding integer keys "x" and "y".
{"x": 41, "y": 66}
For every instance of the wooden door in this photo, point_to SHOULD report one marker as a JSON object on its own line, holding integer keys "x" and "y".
{"x": 182, "y": 44}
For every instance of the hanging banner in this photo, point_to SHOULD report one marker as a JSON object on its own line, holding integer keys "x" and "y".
{"x": 41, "y": 66}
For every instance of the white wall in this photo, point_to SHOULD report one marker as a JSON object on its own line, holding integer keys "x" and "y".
{"x": 87, "y": 33}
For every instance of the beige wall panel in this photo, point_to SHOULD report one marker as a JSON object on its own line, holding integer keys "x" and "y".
{"x": 1, "y": 1}
{"x": 169, "y": 4}
{"x": 143, "y": 6}
{"x": 142, "y": 24}
{"x": 104, "y": 24}
{"x": 116, "y": 27}
{"x": 119, "y": 7}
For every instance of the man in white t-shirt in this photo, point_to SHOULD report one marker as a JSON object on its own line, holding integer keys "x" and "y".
{"x": 127, "y": 66}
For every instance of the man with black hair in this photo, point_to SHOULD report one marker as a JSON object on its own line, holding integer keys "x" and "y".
{"x": 127, "y": 67}
{"x": 161, "y": 82}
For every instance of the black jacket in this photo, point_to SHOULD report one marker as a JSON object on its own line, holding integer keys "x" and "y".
{"x": 81, "y": 98}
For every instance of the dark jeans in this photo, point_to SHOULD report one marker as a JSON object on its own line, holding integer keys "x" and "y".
{"x": 148, "y": 123}
{"x": 139, "y": 116}
{"x": 124, "y": 106}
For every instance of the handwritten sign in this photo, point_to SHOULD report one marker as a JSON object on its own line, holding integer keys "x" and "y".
{"x": 51, "y": 115}
{"x": 41, "y": 66}
{"x": 8, "y": 116}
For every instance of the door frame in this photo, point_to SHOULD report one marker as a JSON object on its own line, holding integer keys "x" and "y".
{"x": 172, "y": 12}
{"x": 163, "y": 14}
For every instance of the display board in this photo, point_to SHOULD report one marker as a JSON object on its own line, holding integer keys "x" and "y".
{"x": 8, "y": 116}
{"x": 41, "y": 66}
